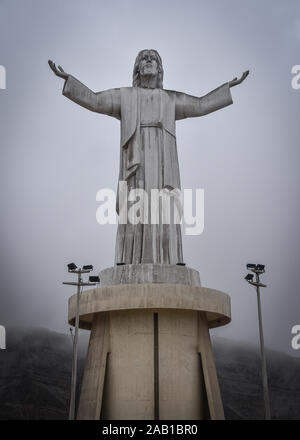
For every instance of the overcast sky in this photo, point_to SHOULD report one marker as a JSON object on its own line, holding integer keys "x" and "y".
{"x": 55, "y": 155}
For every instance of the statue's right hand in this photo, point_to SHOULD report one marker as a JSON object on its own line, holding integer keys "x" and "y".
{"x": 58, "y": 71}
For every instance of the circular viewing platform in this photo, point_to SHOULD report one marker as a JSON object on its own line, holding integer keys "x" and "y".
{"x": 214, "y": 303}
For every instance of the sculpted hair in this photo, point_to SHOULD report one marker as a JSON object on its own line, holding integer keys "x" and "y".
{"x": 136, "y": 80}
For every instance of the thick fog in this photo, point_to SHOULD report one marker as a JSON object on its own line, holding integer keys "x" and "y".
{"x": 55, "y": 155}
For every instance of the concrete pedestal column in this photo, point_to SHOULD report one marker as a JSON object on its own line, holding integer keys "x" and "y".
{"x": 150, "y": 353}
{"x": 133, "y": 371}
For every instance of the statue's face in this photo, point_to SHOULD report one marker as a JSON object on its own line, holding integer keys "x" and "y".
{"x": 148, "y": 64}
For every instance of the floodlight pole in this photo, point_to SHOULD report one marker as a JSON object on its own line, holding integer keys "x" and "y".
{"x": 258, "y": 284}
{"x": 75, "y": 354}
{"x": 79, "y": 284}
{"x": 263, "y": 355}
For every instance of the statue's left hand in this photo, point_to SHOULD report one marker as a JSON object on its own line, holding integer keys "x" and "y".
{"x": 237, "y": 81}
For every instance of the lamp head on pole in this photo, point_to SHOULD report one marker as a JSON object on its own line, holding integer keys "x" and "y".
{"x": 94, "y": 279}
{"x": 72, "y": 267}
{"x": 249, "y": 277}
{"x": 251, "y": 266}
{"x": 260, "y": 268}
{"x": 88, "y": 267}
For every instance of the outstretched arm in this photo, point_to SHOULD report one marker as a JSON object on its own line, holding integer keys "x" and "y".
{"x": 107, "y": 102}
{"x": 188, "y": 106}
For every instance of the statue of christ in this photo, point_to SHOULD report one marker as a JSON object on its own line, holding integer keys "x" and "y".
{"x": 148, "y": 150}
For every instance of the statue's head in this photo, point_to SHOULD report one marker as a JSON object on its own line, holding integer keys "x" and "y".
{"x": 148, "y": 63}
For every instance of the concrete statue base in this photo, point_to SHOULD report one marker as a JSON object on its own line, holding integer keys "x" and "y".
{"x": 148, "y": 274}
{"x": 150, "y": 354}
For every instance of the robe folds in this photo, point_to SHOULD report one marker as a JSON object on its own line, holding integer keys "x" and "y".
{"x": 148, "y": 155}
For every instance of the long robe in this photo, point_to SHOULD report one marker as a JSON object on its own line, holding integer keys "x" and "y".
{"x": 148, "y": 156}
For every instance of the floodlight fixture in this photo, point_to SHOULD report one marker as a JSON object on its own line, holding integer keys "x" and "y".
{"x": 249, "y": 277}
{"x": 251, "y": 266}
{"x": 260, "y": 267}
{"x": 87, "y": 267}
{"x": 94, "y": 279}
{"x": 72, "y": 266}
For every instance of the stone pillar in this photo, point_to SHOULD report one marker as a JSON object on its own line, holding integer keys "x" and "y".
{"x": 150, "y": 352}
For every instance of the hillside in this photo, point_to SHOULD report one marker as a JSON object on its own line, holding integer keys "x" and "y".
{"x": 35, "y": 373}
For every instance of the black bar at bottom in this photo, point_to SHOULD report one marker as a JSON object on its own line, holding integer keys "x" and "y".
{"x": 156, "y": 372}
